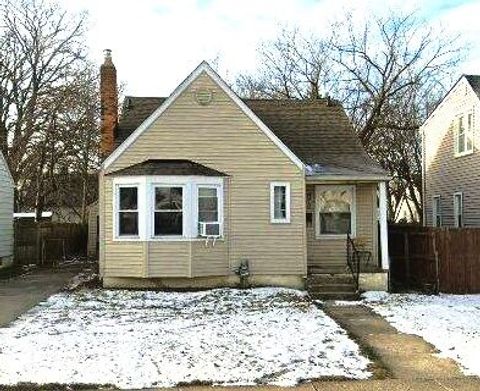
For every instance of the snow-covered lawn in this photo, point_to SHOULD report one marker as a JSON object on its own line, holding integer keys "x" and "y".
{"x": 136, "y": 339}
{"x": 449, "y": 322}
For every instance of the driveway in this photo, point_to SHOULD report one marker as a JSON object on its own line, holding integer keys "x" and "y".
{"x": 21, "y": 293}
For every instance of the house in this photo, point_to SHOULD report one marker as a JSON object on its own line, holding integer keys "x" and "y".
{"x": 451, "y": 162}
{"x": 204, "y": 189}
{"x": 65, "y": 199}
{"x": 6, "y": 214}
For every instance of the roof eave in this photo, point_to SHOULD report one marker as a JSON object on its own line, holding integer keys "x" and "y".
{"x": 341, "y": 178}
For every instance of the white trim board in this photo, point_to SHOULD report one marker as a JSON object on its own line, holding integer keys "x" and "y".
{"x": 9, "y": 174}
{"x": 203, "y": 67}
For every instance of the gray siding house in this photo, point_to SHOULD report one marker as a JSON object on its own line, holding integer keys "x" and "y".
{"x": 6, "y": 214}
{"x": 451, "y": 160}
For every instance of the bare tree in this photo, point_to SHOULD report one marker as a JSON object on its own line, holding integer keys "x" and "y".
{"x": 387, "y": 71}
{"x": 42, "y": 54}
{"x": 292, "y": 66}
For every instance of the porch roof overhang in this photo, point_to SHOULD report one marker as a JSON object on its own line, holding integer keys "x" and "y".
{"x": 321, "y": 172}
{"x": 167, "y": 167}
{"x": 346, "y": 178}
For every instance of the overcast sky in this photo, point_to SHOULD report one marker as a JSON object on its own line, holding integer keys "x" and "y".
{"x": 157, "y": 43}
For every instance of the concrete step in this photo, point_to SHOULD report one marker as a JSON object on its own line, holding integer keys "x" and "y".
{"x": 329, "y": 270}
{"x": 324, "y": 296}
{"x": 330, "y": 279}
{"x": 319, "y": 288}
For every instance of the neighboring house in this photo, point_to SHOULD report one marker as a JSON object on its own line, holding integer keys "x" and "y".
{"x": 30, "y": 216}
{"x": 196, "y": 186}
{"x": 56, "y": 215}
{"x": 451, "y": 162}
{"x": 6, "y": 214}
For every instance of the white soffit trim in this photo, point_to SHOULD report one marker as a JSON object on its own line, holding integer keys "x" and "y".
{"x": 203, "y": 67}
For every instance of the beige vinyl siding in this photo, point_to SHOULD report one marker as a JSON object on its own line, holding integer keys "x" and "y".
{"x": 445, "y": 173}
{"x": 210, "y": 260}
{"x": 326, "y": 252}
{"x": 168, "y": 259}
{"x": 222, "y": 137}
{"x": 6, "y": 212}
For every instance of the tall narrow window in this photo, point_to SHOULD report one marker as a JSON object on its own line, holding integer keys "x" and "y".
{"x": 127, "y": 211}
{"x": 279, "y": 202}
{"x": 464, "y": 131}
{"x": 168, "y": 214}
{"x": 335, "y": 210}
{"x": 469, "y": 133}
{"x": 458, "y": 209}
{"x": 208, "y": 211}
{"x": 460, "y": 135}
{"x": 437, "y": 212}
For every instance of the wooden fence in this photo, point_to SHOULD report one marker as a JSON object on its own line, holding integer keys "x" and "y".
{"x": 47, "y": 243}
{"x": 435, "y": 259}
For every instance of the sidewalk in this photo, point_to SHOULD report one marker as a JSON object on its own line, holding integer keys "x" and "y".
{"x": 460, "y": 384}
{"x": 404, "y": 356}
{"x": 19, "y": 294}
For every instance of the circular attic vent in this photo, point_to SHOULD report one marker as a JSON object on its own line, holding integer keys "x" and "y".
{"x": 203, "y": 96}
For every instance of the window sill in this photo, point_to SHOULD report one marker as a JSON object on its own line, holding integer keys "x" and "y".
{"x": 462, "y": 154}
{"x": 126, "y": 239}
{"x": 279, "y": 221}
{"x": 167, "y": 239}
{"x": 334, "y": 236}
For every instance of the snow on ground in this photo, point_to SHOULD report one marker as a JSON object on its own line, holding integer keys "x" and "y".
{"x": 449, "y": 322}
{"x": 136, "y": 339}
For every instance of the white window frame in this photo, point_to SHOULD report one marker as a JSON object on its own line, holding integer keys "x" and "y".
{"x": 437, "y": 213}
{"x": 455, "y": 214}
{"x": 285, "y": 220}
{"x": 468, "y": 130}
{"x": 153, "y": 210}
{"x": 146, "y": 193}
{"x": 116, "y": 209}
{"x": 353, "y": 211}
{"x": 219, "y": 190}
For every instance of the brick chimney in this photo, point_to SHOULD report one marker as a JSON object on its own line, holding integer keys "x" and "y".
{"x": 108, "y": 104}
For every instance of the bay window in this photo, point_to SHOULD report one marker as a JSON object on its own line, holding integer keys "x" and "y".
{"x": 167, "y": 207}
{"x": 127, "y": 211}
{"x": 168, "y": 211}
{"x": 335, "y": 210}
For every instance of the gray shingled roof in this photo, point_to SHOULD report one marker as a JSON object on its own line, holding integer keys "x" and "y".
{"x": 168, "y": 167}
{"x": 318, "y": 132}
{"x": 474, "y": 81}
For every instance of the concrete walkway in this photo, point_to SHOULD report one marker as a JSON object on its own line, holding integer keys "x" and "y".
{"x": 404, "y": 356}
{"x": 465, "y": 384}
{"x": 21, "y": 293}
{"x": 461, "y": 384}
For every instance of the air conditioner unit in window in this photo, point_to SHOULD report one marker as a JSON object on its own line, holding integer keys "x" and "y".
{"x": 210, "y": 229}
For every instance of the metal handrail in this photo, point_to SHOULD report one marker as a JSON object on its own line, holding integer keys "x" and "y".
{"x": 353, "y": 261}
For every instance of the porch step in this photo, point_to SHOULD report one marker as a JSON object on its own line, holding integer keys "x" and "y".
{"x": 315, "y": 279}
{"x": 326, "y": 296}
{"x": 340, "y": 286}
{"x": 332, "y": 288}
